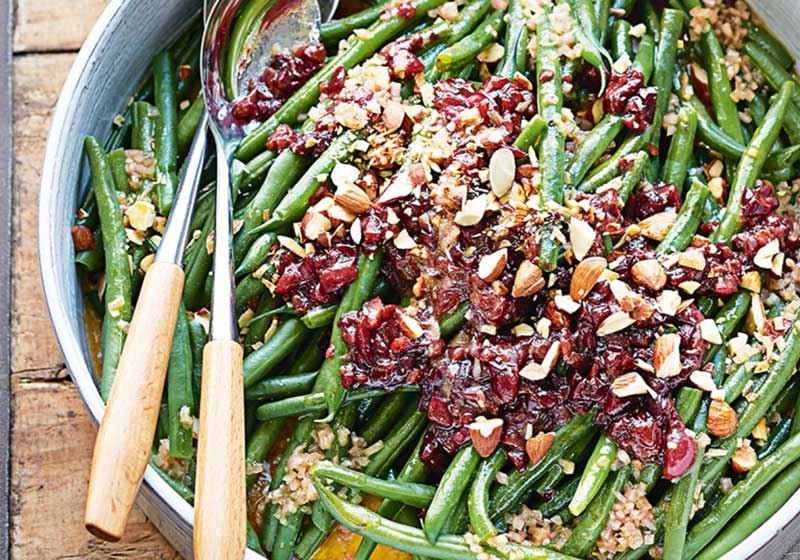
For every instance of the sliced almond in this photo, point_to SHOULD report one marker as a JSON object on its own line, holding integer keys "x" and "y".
{"x": 743, "y": 460}
{"x": 617, "y": 321}
{"x": 668, "y": 302}
{"x": 649, "y": 273}
{"x": 538, "y": 446}
{"x": 355, "y": 231}
{"x": 722, "y": 420}
{"x": 491, "y": 266}
{"x": 760, "y": 432}
{"x": 291, "y": 245}
{"x": 141, "y": 215}
{"x": 404, "y": 241}
{"x": 689, "y": 286}
{"x": 667, "y": 355}
{"x": 655, "y": 227}
{"x": 535, "y": 371}
{"x": 400, "y": 187}
{"x": 581, "y": 237}
{"x": 630, "y": 384}
{"x": 352, "y": 198}
{"x": 710, "y": 332}
{"x": 314, "y": 224}
{"x": 763, "y": 257}
{"x": 528, "y": 280}
{"x": 410, "y": 326}
{"x": 344, "y": 174}
{"x": 692, "y": 258}
{"x": 472, "y": 211}
{"x": 393, "y": 115}
{"x": 492, "y": 53}
{"x": 756, "y": 315}
{"x": 566, "y": 303}
{"x": 485, "y": 434}
{"x": 502, "y": 168}
{"x": 703, "y": 380}
{"x": 586, "y": 275}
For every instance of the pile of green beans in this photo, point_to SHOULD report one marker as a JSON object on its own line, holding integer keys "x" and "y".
{"x": 294, "y": 356}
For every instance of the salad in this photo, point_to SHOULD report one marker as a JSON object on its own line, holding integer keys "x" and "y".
{"x": 515, "y": 278}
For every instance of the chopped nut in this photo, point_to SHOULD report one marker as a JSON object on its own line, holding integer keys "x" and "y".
{"x": 581, "y": 237}
{"x": 352, "y": 198}
{"x": 760, "y": 432}
{"x": 764, "y": 256}
{"x": 668, "y": 302}
{"x": 709, "y": 331}
{"x": 649, "y": 273}
{"x": 535, "y": 371}
{"x": 472, "y": 211}
{"x": 617, "y": 321}
{"x": 344, "y": 174}
{"x": 667, "y": 355}
{"x": 537, "y": 446}
{"x": 314, "y": 224}
{"x": 492, "y": 53}
{"x": 292, "y": 245}
{"x": 566, "y": 303}
{"x": 586, "y": 274}
{"x": 502, "y": 168}
{"x": 751, "y": 281}
{"x": 703, "y": 380}
{"x": 410, "y": 326}
{"x": 655, "y": 227}
{"x": 528, "y": 280}
{"x": 485, "y": 434}
{"x": 630, "y": 384}
{"x": 722, "y": 420}
{"x": 400, "y": 187}
{"x": 491, "y": 266}
{"x": 743, "y": 459}
{"x": 141, "y": 215}
{"x": 404, "y": 241}
{"x": 692, "y": 258}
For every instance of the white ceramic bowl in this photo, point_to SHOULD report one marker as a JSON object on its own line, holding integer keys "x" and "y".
{"x": 116, "y": 53}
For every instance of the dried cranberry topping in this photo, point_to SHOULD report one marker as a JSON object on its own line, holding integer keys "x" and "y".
{"x": 627, "y": 95}
{"x": 316, "y": 279}
{"x": 281, "y": 78}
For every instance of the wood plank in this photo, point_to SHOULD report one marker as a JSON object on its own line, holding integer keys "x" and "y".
{"x": 54, "y": 25}
{"x": 37, "y": 82}
{"x": 52, "y": 438}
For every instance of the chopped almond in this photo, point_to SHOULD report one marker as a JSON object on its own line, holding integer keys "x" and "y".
{"x": 491, "y": 266}
{"x": 722, "y": 420}
{"x": 586, "y": 275}
{"x": 485, "y": 434}
{"x": 538, "y": 446}
{"x": 649, "y": 273}
{"x": 528, "y": 280}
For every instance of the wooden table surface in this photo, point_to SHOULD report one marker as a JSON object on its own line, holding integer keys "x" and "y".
{"x": 51, "y": 434}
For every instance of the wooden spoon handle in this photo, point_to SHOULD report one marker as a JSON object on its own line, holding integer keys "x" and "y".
{"x": 126, "y": 432}
{"x": 220, "y": 518}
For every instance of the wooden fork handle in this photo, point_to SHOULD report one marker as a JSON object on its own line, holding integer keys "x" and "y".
{"x": 126, "y": 432}
{"x": 220, "y": 518}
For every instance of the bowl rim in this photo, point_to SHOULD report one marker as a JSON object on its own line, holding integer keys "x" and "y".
{"x": 69, "y": 343}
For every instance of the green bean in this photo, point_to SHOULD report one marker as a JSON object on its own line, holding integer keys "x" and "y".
{"x": 671, "y": 28}
{"x": 751, "y": 163}
{"x": 609, "y": 169}
{"x": 288, "y": 336}
{"x": 183, "y": 491}
{"x": 629, "y": 180}
{"x": 704, "y": 531}
{"x": 92, "y": 259}
{"x": 739, "y": 377}
{"x": 478, "y": 500}
{"x": 588, "y": 529}
{"x": 353, "y": 299}
{"x": 470, "y": 46}
{"x": 252, "y": 539}
{"x": 143, "y": 133}
{"x": 681, "y": 149}
{"x": 782, "y": 431}
{"x": 776, "y": 77}
{"x": 551, "y": 149}
{"x": 685, "y": 226}
{"x": 621, "y": 41}
{"x": 331, "y": 32}
{"x": 509, "y": 495}
{"x": 300, "y": 405}
{"x": 257, "y": 254}
{"x": 594, "y": 475}
{"x": 561, "y": 500}
{"x": 258, "y": 325}
{"x": 530, "y": 133}
{"x": 294, "y": 204}
{"x": 286, "y": 536}
{"x": 586, "y": 34}
{"x": 515, "y": 55}
{"x": 768, "y": 43}
{"x": 759, "y": 510}
{"x": 166, "y": 145}
{"x": 449, "y": 491}
{"x": 601, "y": 12}
{"x": 356, "y": 52}
{"x": 281, "y": 387}
{"x": 260, "y": 443}
{"x": 409, "y": 493}
{"x": 188, "y": 123}
{"x": 676, "y": 519}
{"x": 319, "y": 317}
{"x": 118, "y": 290}
{"x": 386, "y": 415}
{"x": 396, "y": 442}
{"x": 592, "y": 148}
{"x": 644, "y": 60}
{"x": 117, "y": 160}
{"x": 180, "y": 393}
{"x": 370, "y": 525}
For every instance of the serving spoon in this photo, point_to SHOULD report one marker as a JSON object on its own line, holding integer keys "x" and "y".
{"x": 220, "y": 517}
{"x": 127, "y": 428}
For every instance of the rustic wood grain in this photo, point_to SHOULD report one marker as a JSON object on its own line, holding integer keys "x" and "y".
{"x": 54, "y": 25}
{"x": 51, "y": 435}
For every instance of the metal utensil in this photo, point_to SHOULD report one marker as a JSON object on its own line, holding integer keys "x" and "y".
{"x": 220, "y": 515}
{"x": 128, "y": 425}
